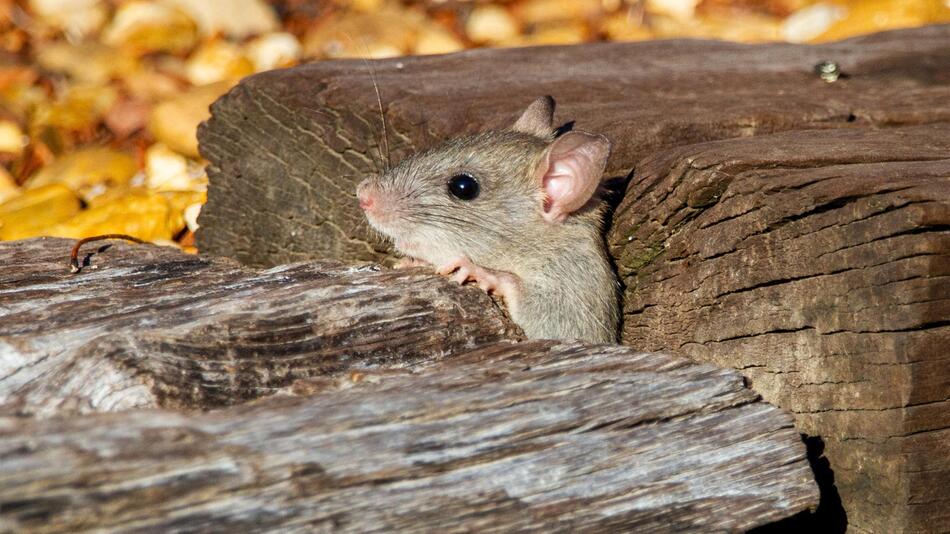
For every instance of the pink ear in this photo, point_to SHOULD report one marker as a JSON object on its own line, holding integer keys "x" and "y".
{"x": 572, "y": 170}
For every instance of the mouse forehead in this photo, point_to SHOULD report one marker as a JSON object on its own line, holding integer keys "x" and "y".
{"x": 489, "y": 154}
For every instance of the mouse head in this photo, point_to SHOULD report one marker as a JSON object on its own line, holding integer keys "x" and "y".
{"x": 488, "y": 193}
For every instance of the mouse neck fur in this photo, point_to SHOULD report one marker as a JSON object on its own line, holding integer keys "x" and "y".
{"x": 573, "y": 245}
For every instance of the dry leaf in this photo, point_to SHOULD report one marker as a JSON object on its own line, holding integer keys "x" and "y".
{"x": 8, "y": 187}
{"x": 127, "y": 117}
{"x": 78, "y": 18}
{"x": 166, "y": 170}
{"x": 869, "y": 16}
{"x": 78, "y": 108}
{"x": 141, "y": 27}
{"x": 175, "y": 121}
{"x": 234, "y": 18}
{"x": 147, "y": 217}
{"x": 34, "y": 212}
{"x": 87, "y": 172}
{"x": 191, "y": 215}
{"x": 181, "y": 200}
{"x": 550, "y": 11}
{"x": 273, "y": 50}
{"x": 491, "y": 24}
{"x": 385, "y": 33}
{"x": 11, "y": 137}
{"x": 626, "y": 26}
{"x": 89, "y": 62}
{"x": 433, "y": 39}
{"x": 558, "y": 33}
{"x": 216, "y": 61}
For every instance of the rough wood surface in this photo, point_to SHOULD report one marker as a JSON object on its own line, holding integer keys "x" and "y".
{"x": 818, "y": 263}
{"x": 147, "y": 326}
{"x": 287, "y": 148}
{"x": 531, "y": 437}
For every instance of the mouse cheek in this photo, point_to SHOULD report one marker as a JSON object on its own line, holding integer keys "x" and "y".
{"x": 420, "y": 244}
{"x": 374, "y": 204}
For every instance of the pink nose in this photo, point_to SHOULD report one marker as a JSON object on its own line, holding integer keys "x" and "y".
{"x": 366, "y": 201}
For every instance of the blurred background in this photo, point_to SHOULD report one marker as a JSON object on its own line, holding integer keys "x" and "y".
{"x": 100, "y": 99}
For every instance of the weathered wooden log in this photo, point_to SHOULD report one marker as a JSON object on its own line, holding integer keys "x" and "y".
{"x": 531, "y": 437}
{"x": 287, "y": 148}
{"x": 818, "y": 263}
{"x": 147, "y": 326}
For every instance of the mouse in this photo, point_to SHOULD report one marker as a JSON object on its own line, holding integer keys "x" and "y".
{"x": 517, "y": 211}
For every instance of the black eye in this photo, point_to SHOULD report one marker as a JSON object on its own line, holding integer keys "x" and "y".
{"x": 463, "y": 186}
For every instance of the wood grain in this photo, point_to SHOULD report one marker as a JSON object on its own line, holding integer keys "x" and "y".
{"x": 818, "y": 264}
{"x": 146, "y": 326}
{"x": 287, "y": 148}
{"x": 530, "y": 437}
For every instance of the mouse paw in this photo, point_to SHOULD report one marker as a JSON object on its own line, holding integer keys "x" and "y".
{"x": 503, "y": 284}
{"x": 408, "y": 263}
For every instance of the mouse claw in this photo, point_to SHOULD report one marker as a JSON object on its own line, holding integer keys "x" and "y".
{"x": 461, "y": 275}
{"x": 454, "y": 265}
{"x": 503, "y": 284}
{"x": 460, "y": 268}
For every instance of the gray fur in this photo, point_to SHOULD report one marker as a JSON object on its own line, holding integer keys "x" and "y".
{"x": 569, "y": 288}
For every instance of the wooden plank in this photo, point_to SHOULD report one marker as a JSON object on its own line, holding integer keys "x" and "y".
{"x": 818, "y": 263}
{"x": 147, "y": 326}
{"x": 531, "y": 437}
{"x": 287, "y": 148}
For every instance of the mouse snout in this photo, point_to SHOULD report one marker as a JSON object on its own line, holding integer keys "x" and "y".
{"x": 366, "y": 200}
{"x": 365, "y": 195}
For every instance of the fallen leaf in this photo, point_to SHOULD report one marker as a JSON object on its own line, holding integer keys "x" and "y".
{"x": 745, "y": 27}
{"x": 127, "y": 117}
{"x": 11, "y": 137}
{"x": 234, "y": 18}
{"x": 89, "y": 62}
{"x": 34, "y": 212}
{"x": 175, "y": 121}
{"x": 8, "y": 187}
{"x": 433, "y": 39}
{"x": 489, "y": 24}
{"x": 191, "y": 216}
{"x": 77, "y": 108}
{"x": 150, "y": 85}
{"x": 532, "y": 12}
{"x": 180, "y": 201}
{"x": 166, "y": 170}
{"x": 142, "y": 27}
{"x": 626, "y": 26}
{"x": 557, "y": 33}
{"x": 77, "y": 18}
{"x": 869, "y": 16}
{"x": 87, "y": 172}
{"x": 273, "y": 50}
{"x": 678, "y": 9}
{"x": 148, "y": 217}
{"x": 385, "y": 33}
{"x": 216, "y": 61}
